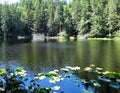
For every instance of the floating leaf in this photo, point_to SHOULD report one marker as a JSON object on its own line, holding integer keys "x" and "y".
{"x": 111, "y": 75}
{"x": 2, "y": 89}
{"x": 52, "y": 81}
{"x": 68, "y": 75}
{"x": 88, "y": 69}
{"x": 106, "y": 72}
{"x": 115, "y": 85}
{"x": 23, "y": 73}
{"x": 99, "y": 69}
{"x": 19, "y": 69}
{"x": 73, "y": 68}
{"x": 2, "y": 72}
{"x": 55, "y": 70}
{"x": 42, "y": 77}
{"x": 118, "y": 80}
{"x": 92, "y": 65}
{"x": 36, "y": 78}
{"x": 55, "y": 88}
{"x": 12, "y": 74}
{"x": 57, "y": 79}
{"x": 86, "y": 91}
{"x": 104, "y": 79}
{"x": 64, "y": 70}
{"x": 83, "y": 81}
{"x": 40, "y": 74}
{"x": 95, "y": 83}
{"x": 51, "y": 73}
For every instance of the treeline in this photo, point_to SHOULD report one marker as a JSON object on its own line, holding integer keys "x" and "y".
{"x": 96, "y": 18}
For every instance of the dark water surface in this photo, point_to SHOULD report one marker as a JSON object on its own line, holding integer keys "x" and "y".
{"x": 40, "y": 56}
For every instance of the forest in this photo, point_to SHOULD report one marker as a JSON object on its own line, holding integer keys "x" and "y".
{"x": 94, "y": 18}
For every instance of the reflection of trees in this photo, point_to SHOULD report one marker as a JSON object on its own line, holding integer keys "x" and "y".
{"x": 25, "y": 55}
{"x": 82, "y": 49}
{"x": 101, "y": 53}
{"x": 97, "y": 54}
{"x": 113, "y": 54}
{"x": 108, "y": 56}
{"x": 55, "y": 54}
{"x": 4, "y": 52}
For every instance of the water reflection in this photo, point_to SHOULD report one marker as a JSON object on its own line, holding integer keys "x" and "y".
{"x": 41, "y": 55}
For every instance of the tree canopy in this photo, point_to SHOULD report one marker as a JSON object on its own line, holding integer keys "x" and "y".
{"x": 97, "y": 18}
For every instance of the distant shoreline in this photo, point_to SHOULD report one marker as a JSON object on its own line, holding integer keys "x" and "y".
{"x": 41, "y": 37}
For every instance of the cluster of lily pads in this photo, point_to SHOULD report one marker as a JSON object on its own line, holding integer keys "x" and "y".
{"x": 18, "y": 80}
{"x": 112, "y": 78}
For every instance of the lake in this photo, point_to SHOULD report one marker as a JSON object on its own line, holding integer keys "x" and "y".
{"x": 45, "y": 56}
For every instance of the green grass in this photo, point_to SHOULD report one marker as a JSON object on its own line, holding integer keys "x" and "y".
{"x": 99, "y": 38}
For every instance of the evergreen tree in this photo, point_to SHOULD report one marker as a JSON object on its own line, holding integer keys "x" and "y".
{"x": 84, "y": 26}
{"x": 68, "y": 26}
{"x": 98, "y": 18}
{"x": 0, "y": 20}
{"x": 40, "y": 17}
{"x": 58, "y": 16}
{"x": 50, "y": 23}
{"x": 27, "y": 17}
{"x": 5, "y": 22}
{"x": 113, "y": 16}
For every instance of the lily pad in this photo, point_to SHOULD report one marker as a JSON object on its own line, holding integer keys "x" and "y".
{"x": 104, "y": 79}
{"x": 115, "y": 85}
{"x": 2, "y": 72}
{"x": 55, "y": 88}
{"x": 95, "y": 83}
{"x": 73, "y": 68}
{"x": 64, "y": 70}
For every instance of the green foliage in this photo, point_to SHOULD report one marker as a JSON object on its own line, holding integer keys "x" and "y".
{"x": 51, "y": 17}
{"x": 13, "y": 80}
{"x": 2, "y": 72}
{"x": 111, "y": 75}
{"x": 84, "y": 25}
{"x": 112, "y": 78}
{"x": 42, "y": 90}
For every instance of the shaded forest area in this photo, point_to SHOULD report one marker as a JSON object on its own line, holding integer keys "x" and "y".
{"x": 96, "y": 18}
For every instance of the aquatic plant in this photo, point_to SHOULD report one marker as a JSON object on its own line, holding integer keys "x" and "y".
{"x": 112, "y": 78}
{"x": 2, "y": 72}
{"x": 18, "y": 81}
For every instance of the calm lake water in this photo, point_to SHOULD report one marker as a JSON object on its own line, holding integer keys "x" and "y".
{"x": 41, "y": 55}
{"x": 45, "y": 56}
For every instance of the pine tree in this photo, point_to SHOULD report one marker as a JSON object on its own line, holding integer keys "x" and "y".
{"x": 27, "y": 17}
{"x": 40, "y": 17}
{"x": 58, "y": 15}
{"x": 0, "y": 21}
{"x": 50, "y": 23}
{"x": 5, "y": 22}
{"x": 84, "y": 26}
{"x": 75, "y": 13}
{"x": 98, "y": 28}
{"x": 68, "y": 27}
{"x": 113, "y": 16}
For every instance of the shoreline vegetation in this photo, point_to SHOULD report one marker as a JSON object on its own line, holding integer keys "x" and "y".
{"x": 18, "y": 80}
{"x": 80, "y": 19}
{"x": 41, "y": 37}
